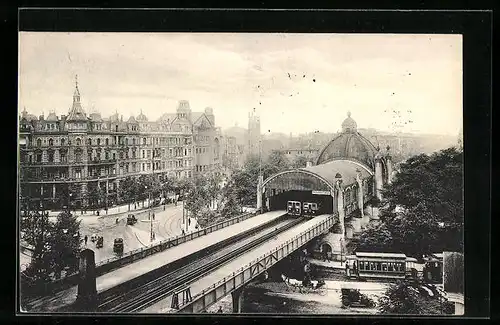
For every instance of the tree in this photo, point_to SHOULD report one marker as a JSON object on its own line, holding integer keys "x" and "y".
{"x": 128, "y": 190}
{"x": 200, "y": 193}
{"x": 428, "y": 193}
{"x": 230, "y": 207}
{"x": 299, "y": 162}
{"x": 402, "y": 298}
{"x": 96, "y": 195}
{"x": 434, "y": 182}
{"x": 275, "y": 163}
{"x": 243, "y": 182}
{"x": 66, "y": 242}
{"x": 36, "y": 230}
{"x": 375, "y": 238}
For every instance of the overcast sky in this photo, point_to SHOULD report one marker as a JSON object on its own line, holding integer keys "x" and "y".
{"x": 296, "y": 82}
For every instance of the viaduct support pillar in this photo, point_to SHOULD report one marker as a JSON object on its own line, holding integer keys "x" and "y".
{"x": 237, "y": 296}
{"x": 87, "y": 292}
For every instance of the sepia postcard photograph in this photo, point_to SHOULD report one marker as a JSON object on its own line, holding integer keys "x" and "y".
{"x": 240, "y": 173}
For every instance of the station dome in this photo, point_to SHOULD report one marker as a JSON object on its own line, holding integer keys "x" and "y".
{"x": 349, "y": 144}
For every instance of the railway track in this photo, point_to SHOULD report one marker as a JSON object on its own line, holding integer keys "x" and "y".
{"x": 145, "y": 295}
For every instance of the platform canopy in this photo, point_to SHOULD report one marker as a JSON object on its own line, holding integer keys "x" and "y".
{"x": 318, "y": 178}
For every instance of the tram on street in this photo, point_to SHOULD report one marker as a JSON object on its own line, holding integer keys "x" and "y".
{"x": 366, "y": 265}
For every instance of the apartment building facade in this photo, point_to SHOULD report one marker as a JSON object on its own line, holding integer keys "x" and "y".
{"x": 87, "y": 150}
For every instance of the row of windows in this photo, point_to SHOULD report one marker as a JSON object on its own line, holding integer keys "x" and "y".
{"x": 201, "y": 138}
{"x": 202, "y": 168}
{"x": 121, "y": 141}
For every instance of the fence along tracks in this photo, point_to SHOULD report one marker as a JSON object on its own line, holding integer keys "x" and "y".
{"x": 147, "y": 294}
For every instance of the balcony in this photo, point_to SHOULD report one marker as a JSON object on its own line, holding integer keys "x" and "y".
{"x": 45, "y": 164}
{"x": 62, "y": 180}
{"x": 102, "y": 161}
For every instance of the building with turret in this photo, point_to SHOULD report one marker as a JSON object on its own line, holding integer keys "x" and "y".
{"x": 87, "y": 150}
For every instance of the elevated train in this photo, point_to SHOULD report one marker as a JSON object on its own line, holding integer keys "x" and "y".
{"x": 302, "y": 209}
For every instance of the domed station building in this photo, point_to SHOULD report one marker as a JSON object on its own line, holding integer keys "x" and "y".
{"x": 349, "y": 173}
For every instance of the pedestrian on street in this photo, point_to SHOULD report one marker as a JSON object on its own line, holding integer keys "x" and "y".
{"x": 220, "y": 310}
{"x": 347, "y": 268}
{"x": 86, "y": 239}
{"x": 183, "y": 233}
{"x": 153, "y": 216}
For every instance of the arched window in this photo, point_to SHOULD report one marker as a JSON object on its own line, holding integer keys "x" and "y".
{"x": 144, "y": 141}
{"x": 107, "y": 142}
{"x": 62, "y": 142}
{"x": 51, "y": 142}
{"x": 89, "y": 141}
{"x": 39, "y": 142}
{"x": 98, "y": 142}
{"x": 78, "y": 142}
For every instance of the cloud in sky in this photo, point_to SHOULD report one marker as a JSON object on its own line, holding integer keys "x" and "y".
{"x": 297, "y": 82}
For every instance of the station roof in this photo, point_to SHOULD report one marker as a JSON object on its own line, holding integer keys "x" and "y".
{"x": 346, "y": 168}
{"x": 318, "y": 178}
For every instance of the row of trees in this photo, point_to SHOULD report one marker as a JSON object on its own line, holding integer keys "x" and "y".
{"x": 240, "y": 189}
{"x": 422, "y": 210}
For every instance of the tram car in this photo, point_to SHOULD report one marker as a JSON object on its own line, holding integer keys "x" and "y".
{"x": 378, "y": 266}
{"x": 302, "y": 209}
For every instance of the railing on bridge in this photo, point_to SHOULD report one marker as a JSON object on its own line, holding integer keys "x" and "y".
{"x": 113, "y": 263}
{"x": 201, "y": 301}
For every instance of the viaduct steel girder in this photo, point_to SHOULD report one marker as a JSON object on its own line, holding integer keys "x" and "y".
{"x": 202, "y": 300}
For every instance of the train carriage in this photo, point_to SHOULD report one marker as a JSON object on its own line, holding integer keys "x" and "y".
{"x": 294, "y": 208}
{"x": 302, "y": 209}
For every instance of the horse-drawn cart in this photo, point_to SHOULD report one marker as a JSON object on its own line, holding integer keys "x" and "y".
{"x": 311, "y": 286}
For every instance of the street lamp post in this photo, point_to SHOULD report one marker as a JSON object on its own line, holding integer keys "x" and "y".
{"x": 260, "y": 172}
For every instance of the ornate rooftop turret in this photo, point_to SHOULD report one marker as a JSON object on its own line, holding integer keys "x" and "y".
{"x": 349, "y": 125}
{"x": 141, "y": 117}
{"x": 52, "y": 117}
{"x": 76, "y": 113}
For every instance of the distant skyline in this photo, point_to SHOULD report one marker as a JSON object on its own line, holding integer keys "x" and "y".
{"x": 297, "y": 83}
